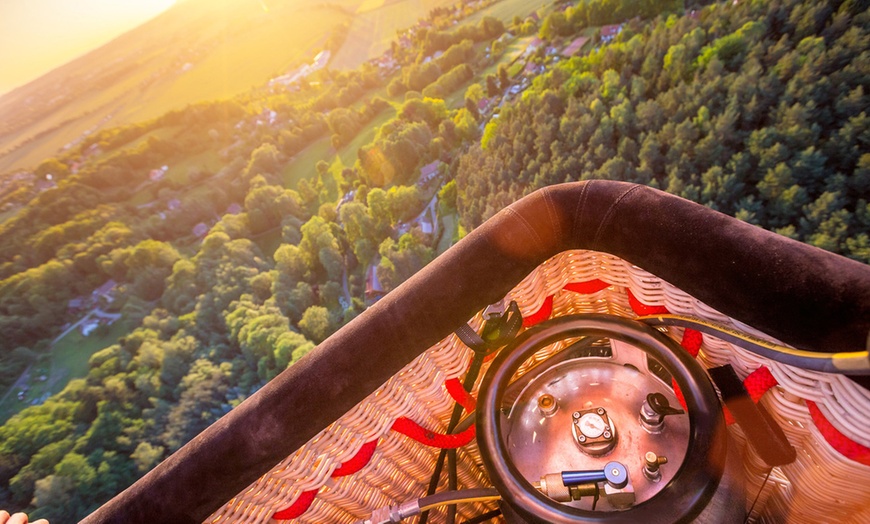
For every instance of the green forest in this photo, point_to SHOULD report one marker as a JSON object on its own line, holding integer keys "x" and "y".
{"x": 756, "y": 110}
{"x": 231, "y": 237}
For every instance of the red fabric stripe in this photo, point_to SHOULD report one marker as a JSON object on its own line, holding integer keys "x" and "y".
{"x": 840, "y": 442}
{"x": 358, "y": 461}
{"x": 411, "y": 429}
{"x": 729, "y": 418}
{"x": 758, "y": 382}
{"x": 679, "y": 394}
{"x": 642, "y": 309}
{"x": 458, "y": 393}
{"x": 692, "y": 340}
{"x": 541, "y": 314}
{"x": 297, "y": 508}
{"x": 588, "y": 287}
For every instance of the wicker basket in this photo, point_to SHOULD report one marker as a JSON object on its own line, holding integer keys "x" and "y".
{"x": 823, "y": 415}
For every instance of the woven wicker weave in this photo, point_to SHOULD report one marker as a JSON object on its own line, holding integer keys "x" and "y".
{"x": 820, "y": 486}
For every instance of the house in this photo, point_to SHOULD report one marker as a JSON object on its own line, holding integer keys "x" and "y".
{"x": 157, "y": 174}
{"x": 75, "y": 305}
{"x": 427, "y": 220}
{"x": 483, "y": 104}
{"x": 609, "y": 32}
{"x": 89, "y": 326}
{"x": 533, "y": 46}
{"x": 321, "y": 59}
{"x": 234, "y": 209}
{"x": 348, "y": 197}
{"x": 42, "y": 185}
{"x": 533, "y": 16}
{"x": 374, "y": 289}
{"x": 575, "y": 46}
{"x": 428, "y": 172}
{"x": 105, "y": 291}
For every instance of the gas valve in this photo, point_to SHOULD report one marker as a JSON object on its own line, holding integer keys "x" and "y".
{"x": 654, "y": 410}
{"x": 573, "y": 485}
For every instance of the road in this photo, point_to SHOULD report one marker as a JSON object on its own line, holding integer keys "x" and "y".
{"x": 22, "y": 380}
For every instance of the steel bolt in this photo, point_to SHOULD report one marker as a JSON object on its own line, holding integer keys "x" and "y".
{"x": 607, "y": 434}
{"x": 581, "y": 438}
{"x": 600, "y": 411}
{"x": 576, "y": 414}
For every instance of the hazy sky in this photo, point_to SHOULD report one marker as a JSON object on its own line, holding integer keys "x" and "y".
{"x": 37, "y": 36}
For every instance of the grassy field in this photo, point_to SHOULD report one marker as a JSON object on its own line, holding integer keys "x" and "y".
{"x": 70, "y": 355}
{"x": 6, "y": 215}
{"x": 207, "y": 160}
{"x": 68, "y": 360}
{"x": 505, "y": 10}
{"x": 347, "y": 156}
{"x": 186, "y": 55}
{"x": 375, "y": 26}
{"x": 450, "y": 225}
{"x": 302, "y": 165}
{"x": 261, "y": 51}
{"x": 209, "y": 60}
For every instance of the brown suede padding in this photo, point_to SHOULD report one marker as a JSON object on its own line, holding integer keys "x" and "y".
{"x": 802, "y": 295}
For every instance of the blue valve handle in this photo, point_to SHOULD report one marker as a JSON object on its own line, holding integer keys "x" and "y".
{"x": 614, "y": 473}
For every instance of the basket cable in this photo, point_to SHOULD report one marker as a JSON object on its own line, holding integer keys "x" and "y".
{"x": 500, "y": 328}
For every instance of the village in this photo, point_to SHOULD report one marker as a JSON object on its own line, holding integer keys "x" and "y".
{"x": 524, "y": 56}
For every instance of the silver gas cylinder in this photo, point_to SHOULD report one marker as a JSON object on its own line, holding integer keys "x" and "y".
{"x": 592, "y": 406}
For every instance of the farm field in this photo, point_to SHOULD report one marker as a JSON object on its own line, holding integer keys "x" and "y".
{"x": 207, "y": 161}
{"x": 505, "y": 10}
{"x": 135, "y": 79}
{"x": 375, "y": 26}
{"x": 278, "y": 44}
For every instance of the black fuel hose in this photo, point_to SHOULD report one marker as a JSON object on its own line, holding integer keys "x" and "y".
{"x": 846, "y": 363}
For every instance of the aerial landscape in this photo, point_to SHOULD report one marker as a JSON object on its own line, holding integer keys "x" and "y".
{"x": 190, "y": 208}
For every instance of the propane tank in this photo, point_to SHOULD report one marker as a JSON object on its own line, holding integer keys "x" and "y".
{"x": 598, "y": 427}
